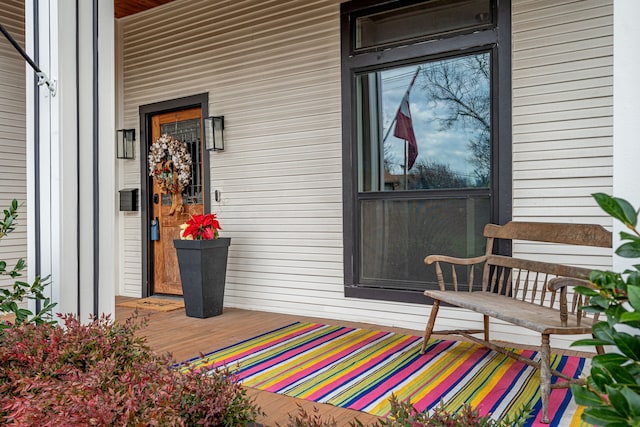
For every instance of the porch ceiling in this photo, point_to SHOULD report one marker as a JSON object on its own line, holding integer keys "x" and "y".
{"x": 124, "y": 8}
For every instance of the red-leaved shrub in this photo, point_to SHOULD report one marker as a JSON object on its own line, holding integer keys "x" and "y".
{"x": 102, "y": 374}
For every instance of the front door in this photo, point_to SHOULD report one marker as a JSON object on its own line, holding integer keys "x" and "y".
{"x": 184, "y": 125}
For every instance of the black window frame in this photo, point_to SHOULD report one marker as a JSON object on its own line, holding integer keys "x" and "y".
{"x": 497, "y": 41}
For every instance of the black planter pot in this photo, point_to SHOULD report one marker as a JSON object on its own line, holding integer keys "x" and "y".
{"x": 203, "y": 269}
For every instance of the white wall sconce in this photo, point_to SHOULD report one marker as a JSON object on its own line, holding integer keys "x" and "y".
{"x": 214, "y": 133}
{"x": 125, "y": 149}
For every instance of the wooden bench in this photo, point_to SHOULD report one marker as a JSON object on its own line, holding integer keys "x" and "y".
{"x": 519, "y": 291}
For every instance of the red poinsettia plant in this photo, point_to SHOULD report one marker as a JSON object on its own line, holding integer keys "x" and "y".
{"x": 201, "y": 227}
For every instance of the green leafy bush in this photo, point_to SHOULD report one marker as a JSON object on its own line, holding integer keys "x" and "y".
{"x": 21, "y": 291}
{"x": 103, "y": 374}
{"x": 612, "y": 391}
{"x": 403, "y": 414}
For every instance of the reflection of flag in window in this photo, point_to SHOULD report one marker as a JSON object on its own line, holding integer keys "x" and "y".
{"x": 404, "y": 129}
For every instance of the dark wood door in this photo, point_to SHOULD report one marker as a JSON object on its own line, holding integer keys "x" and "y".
{"x": 186, "y": 126}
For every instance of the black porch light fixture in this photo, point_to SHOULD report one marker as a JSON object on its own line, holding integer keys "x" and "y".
{"x": 125, "y": 149}
{"x": 214, "y": 133}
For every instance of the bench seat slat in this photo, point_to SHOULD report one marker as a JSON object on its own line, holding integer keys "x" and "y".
{"x": 521, "y": 313}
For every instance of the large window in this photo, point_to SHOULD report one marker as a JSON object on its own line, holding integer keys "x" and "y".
{"x": 426, "y": 139}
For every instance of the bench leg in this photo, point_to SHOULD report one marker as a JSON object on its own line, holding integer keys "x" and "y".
{"x": 599, "y": 348}
{"x": 486, "y": 328}
{"x": 430, "y": 324}
{"x": 545, "y": 376}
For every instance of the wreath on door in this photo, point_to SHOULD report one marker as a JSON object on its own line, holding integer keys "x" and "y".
{"x": 170, "y": 166}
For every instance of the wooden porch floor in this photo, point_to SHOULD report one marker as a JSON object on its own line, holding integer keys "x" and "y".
{"x": 186, "y": 337}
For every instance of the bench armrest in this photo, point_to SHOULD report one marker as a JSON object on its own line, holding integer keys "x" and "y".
{"x": 562, "y": 282}
{"x": 453, "y": 260}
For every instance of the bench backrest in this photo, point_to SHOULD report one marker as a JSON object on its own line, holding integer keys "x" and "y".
{"x": 527, "y": 279}
{"x": 570, "y": 234}
{"x": 536, "y": 282}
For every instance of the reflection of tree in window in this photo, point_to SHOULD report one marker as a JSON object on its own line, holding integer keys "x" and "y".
{"x": 458, "y": 90}
{"x": 425, "y": 174}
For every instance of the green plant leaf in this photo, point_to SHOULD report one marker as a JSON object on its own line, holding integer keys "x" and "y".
{"x": 589, "y": 341}
{"x": 613, "y": 314}
{"x": 583, "y": 290}
{"x": 622, "y": 376}
{"x": 21, "y": 264}
{"x": 629, "y": 212}
{"x": 629, "y": 250}
{"x": 609, "y": 205}
{"x": 629, "y": 345}
{"x": 624, "y": 423}
{"x": 603, "y": 332}
{"x": 630, "y": 317}
{"x": 591, "y": 385}
{"x": 608, "y": 359}
{"x": 634, "y": 400}
{"x": 600, "y": 301}
{"x": 634, "y": 296}
{"x": 618, "y": 401}
{"x": 618, "y": 208}
{"x": 585, "y": 397}
{"x": 601, "y": 378}
{"x": 628, "y": 236}
{"x": 23, "y": 312}
{"x": 633, "y": 279}
{"x": 601, "y": 416}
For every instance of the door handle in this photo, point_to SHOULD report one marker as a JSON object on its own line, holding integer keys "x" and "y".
{"x": 156, "y": 198}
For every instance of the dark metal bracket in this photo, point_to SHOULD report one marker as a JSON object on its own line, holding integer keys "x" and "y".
{"x": 42, "y": 77}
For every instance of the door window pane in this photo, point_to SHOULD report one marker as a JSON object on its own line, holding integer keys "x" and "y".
{"x": 188, "y": 131}
{"x": 397, "y": 235}
{"x": 426, "y": 126}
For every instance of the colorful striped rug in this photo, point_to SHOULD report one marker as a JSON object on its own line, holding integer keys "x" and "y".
{"x": 360, "y": 369}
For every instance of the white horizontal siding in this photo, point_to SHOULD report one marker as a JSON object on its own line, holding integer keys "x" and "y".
{"x": 13, "y": 154}
{"x": 562, "y": 109}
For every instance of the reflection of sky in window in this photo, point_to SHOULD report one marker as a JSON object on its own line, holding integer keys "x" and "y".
{"x": 435, "y": 145}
